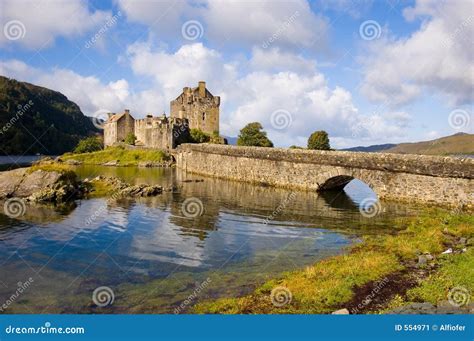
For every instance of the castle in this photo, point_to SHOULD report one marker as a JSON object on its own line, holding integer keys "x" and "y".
{"x": 193, "y": 108}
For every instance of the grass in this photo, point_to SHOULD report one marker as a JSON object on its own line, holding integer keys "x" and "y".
{"x": 327, "y": 285}
{"x": 126, "y": 157}
{"x": 66, "y": 171}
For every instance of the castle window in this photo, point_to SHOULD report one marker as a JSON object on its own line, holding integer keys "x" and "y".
{"x": 203, "y": 116}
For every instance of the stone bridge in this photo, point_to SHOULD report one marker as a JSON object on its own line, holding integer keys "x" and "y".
{"x": 412, "y": 178}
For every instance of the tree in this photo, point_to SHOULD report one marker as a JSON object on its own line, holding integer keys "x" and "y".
{"x": 130, "y": 139}
{"x": 253, "y": 135}
{"x": 88, "y": 145}
{"x": 319, "y": 140}
{"x": 198, "y": 136}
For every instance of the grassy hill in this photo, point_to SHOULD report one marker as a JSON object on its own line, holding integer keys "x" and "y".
{"x": 460, "y": 143}
{"x": 34, "y": 120}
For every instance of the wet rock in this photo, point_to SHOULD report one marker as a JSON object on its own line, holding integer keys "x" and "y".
{"x": 10, "y": 181}
{"x": 113, "y": 163}
{"x": 422, "y": 260}
{"x": 141, "y": 191}
{"x": 73, "y": 162}
{"x": 341, "y": 312}
{"x": 36, "y": 181}
{"x": 155, "y": 164}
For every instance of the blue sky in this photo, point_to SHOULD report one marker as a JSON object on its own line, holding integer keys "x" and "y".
{"x": 366, "y": 71}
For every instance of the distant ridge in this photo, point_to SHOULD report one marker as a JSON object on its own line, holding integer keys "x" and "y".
{"x": 457, "y": 144}
{"x": 374, "y": 148}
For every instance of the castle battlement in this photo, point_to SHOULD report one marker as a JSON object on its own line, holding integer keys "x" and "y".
{"x": 193, "y": 108}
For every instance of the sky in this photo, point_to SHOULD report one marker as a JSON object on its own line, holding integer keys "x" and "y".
{"x": 368, "y": 72}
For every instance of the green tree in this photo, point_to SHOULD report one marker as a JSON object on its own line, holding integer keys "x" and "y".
{"x": 198, "y": 136}
{"x": 88, "y": 145}
{"x": 130, "y": 139}
{"x": 319, "y": 140}
{"x": 253, "y": 135}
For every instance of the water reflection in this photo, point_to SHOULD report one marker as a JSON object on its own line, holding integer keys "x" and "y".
{"x": 131, "y": 245}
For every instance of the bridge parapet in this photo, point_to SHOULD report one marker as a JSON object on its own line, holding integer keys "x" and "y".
{"x": 406, "y": 163}
{"x": 416, "y": 178}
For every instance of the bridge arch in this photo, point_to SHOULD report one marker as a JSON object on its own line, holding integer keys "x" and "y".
{"x": 337, "y": 181}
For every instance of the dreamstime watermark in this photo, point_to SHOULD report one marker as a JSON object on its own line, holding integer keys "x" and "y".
{"x": 46, "y": 329}
{"x": 370, "y": 30}
{"x": 14, "y": 30}
{"x": 364, "y": 125}
{"x": 459, "y": 296}
{"x": 108, "y": 24}
{"x": 103, "y": 208}
{"x": 368, "y": 299}
{"x": 281, "y": 296}
{"x": 190, "y": 299}
{"x": 281, "y": 119}
{"x": 192, "y": 30}
{"x": 14, "y": 207}
{"x": 281, "y": 29}
{"x": 459, "y": 30}
{"x": 459, "y": 119}
{"x": 22, "y": 109}
{"x": 370, "y": 207}
{"x": 103, "y": 296}
{"x": 100, "y": 117}
{"x": 280, "y": 208}
{"x": 21, "y": 288}
{"x": 192, "y": 208}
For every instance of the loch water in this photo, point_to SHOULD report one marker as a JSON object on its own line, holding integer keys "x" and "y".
{"x": 151, "y": 257}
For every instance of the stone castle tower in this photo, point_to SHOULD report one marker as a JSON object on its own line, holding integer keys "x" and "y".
{"x": 199, "y": 107}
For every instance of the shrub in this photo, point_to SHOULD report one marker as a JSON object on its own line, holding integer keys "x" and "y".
{"x": 198, "y": 136}
{"x": 319, "y": 140}
{"x": 88, "y": 145}
{"x": 130, "y": 139}
{"x": 253, "y": 135}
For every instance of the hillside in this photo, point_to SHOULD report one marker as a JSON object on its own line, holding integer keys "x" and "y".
{"x": 373, "y": 148}
{"x": 460, "y": 143}
{"x": 29, "y": 113}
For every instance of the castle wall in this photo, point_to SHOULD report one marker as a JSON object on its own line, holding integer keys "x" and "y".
{"x": 199, "y": 106}
{"x": 160, "y": 133}
{"x": 110, "y": 133}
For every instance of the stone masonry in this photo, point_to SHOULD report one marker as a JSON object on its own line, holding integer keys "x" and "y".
{"x": 199, "y": 106}
{"x": 412, "y": 178}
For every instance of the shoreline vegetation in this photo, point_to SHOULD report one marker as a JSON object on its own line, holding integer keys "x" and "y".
{"x": 120, "y": 156}
{"x": 418, "y": 268}
{"x": 423, "y": 263}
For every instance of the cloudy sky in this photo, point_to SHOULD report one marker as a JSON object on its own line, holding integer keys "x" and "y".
{"x": 366, "y": 71}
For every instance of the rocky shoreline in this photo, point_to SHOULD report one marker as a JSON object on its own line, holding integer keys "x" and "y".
{"x": 47, "y": 183}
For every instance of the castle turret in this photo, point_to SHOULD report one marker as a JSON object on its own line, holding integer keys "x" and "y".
{"x": 202, "y": 89}
{"x": 199, "y": 107}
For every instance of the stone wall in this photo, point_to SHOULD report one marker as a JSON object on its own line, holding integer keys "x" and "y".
{"x": 199, "y": 106}
{"x": 414, "y": 178}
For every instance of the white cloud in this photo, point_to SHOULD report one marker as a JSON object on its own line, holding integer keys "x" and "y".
{"x": 289, "y": 23}
{"x": 274, "y": 60}
{"x": 39, "y": 23}
{"x": 439, "y": 56}
{"x": 87, "y": 92}
{"x": 253, "y": 95}
{"x": 186, "y": 67}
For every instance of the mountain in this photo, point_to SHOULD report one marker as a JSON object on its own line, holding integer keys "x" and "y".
{"x": 460, "y": 143}
{"x": 34, "y": 120}
{"x": 231, "y": 140}
{"x": 374, "y": 148}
